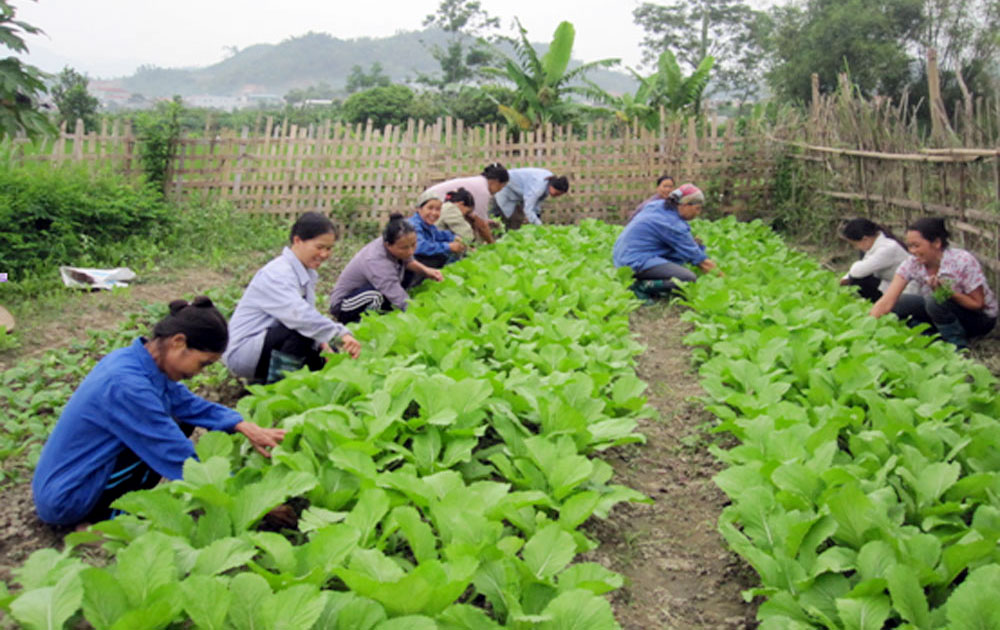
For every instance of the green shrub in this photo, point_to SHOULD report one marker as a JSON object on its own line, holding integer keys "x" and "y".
{"x": 66, "y": 215}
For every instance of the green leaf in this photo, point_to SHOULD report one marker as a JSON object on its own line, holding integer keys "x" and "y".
{"x": 295, "y": 608}
{"x": 423, "y": 542}
{"x": 578, "y": 610}
{"x": 251, "y": 597}
{"x": 408, "y": 622}
{"x": 973, "y": 605}
{"x": 144, "y": 566}
{"x": 934, "y": 480}
{"x": 908, "y": 597}
{"x": 255, "y": 500}
{"x": 214, "y": 444}
{"x": 50, "y": 607}
{"x": 591, "y": 576}
{"x": 465, "y": 617}
{"x": 372, "y": 506}
{"x": 222, "y": 555}
{"x": 549, "y": 551}
{"x": 104, "y": 599}
{"x": 347, "y": 611}
{"x": 206, "y": 601}
{"x": 863, "y": 613}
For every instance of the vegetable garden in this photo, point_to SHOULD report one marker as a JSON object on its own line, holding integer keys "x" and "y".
{"x": 444, "y": 480}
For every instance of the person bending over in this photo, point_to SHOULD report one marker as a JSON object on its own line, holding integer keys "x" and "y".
{"x": 374, "y": 279}
{"x": 458, "y": 216}
{"x": 883, "y": 253}
{"x": 658, "y": 242}
{"x": 276, "y": 327}
{"x": 128, "y": 422}
{"x": 952, "y": 293}
{"x": 483, "y": 187}
{"x": 521, "y": 199}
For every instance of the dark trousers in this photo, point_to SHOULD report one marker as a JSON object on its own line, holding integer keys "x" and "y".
{"x": 357, "y": 302}
{"x": 868, "y": 287}
{"x": 667, "y": 271}
{"x": 291, "y": 342}
{"x": 954, "y": 323}
{"x": 129, "y": 474}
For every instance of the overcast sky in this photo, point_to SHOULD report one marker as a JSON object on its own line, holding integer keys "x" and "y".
{"x": 108, "y": 38}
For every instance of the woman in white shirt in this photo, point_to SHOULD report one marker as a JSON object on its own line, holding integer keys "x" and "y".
{"x": 883, "y": 254}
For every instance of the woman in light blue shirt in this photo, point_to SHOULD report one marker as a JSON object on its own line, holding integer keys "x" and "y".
{"x": 276, "y": 327}
{"x": 521, "y": 199}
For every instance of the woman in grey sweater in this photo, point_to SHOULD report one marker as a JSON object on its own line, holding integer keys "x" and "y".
{"x": 374, "y": 279}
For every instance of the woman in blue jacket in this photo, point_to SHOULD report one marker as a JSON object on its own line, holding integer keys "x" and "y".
{"x": 435, "y": 247}
{"x": 658, "y": 242}
{"x": 126, "y": 425}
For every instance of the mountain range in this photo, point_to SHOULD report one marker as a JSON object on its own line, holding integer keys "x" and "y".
{"x": 309, "y": 59}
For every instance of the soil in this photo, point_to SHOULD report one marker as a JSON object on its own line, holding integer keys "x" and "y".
{"x": 105, "y": 310}
{"x": 679, "y": 574}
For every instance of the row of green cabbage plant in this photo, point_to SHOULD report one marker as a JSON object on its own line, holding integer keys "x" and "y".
{"x": 440, "y": 481}
{"x": 864, "y": 480}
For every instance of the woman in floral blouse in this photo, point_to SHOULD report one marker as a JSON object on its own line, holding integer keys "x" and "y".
{"x": 953, "y": 295}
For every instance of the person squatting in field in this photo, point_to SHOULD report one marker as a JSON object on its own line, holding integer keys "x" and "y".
{"x": 435, "y": 247}
{"x": 483, "y": 188}
{"x": 952, "y": 296}
{"x": 658, "y": 242}
{"x": 458, "y": 216}
{"x": 883, "y": 254}
{"x": 377, "y": 277}
{"x": 664, "y": 186}
{"x": 127, "y": 424}
{"x": 276, "y": 327}
{"x": 521, "y": 199}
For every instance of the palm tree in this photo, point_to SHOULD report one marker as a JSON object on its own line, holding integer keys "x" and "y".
{"x": 542, "y": 83}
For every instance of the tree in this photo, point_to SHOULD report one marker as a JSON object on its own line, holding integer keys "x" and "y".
{"x": 668, "y": 88}
{"x": 73, "y": 100}
{"x": 542, "y": 83}
{"x": 360, "y": 80}
{"x": 461, "y": 20}
{"x": 21, "y": 84}
{"x": 383, "y": 105}
{"x": 321, "y": 90}
{"x": 867, "y": 38}
{"x": 696, "y": 29}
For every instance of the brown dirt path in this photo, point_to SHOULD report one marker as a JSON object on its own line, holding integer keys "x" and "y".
{"x": 679, "y": 574}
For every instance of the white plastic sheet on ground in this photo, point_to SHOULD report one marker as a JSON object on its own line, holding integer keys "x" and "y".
{"x": 85, "y": 278}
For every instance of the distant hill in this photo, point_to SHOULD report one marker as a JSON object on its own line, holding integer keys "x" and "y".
{"x": 302, "y": 61}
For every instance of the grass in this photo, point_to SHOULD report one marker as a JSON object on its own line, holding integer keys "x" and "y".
{"x": 33, "y": 391}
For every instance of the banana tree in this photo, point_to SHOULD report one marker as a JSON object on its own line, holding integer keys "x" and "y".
{"x": 542, "y": 82}
{"x": 667, "y": 88}
{"x": 677, "y": 92}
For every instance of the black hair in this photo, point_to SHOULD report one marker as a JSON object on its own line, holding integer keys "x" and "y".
{"x": 857, "y": 229}
{"x": 931, "y": 228}
{"x": 496, "y": 172}
{"x": 199, "y": 321}
{"x": 660, "y": 179}
{"x": 559, "y": 183}
{"x": 396, "y": 227}
{"x": 461, "y": 196}
{"x": 310, "y": 225}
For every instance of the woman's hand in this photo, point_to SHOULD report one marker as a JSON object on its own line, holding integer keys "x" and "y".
{"x": 708, "y": 265}
{"x": 457, "y": 246}
{"x": 845, "y": 281}
{"x": 432, "y": 273}
{"x": 351, "y": 345}
{"x": 261, "y": 438}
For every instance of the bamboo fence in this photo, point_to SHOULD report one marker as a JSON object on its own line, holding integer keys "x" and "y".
{"x": 285, "y": 169}
{"x": 871, "y": 158}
